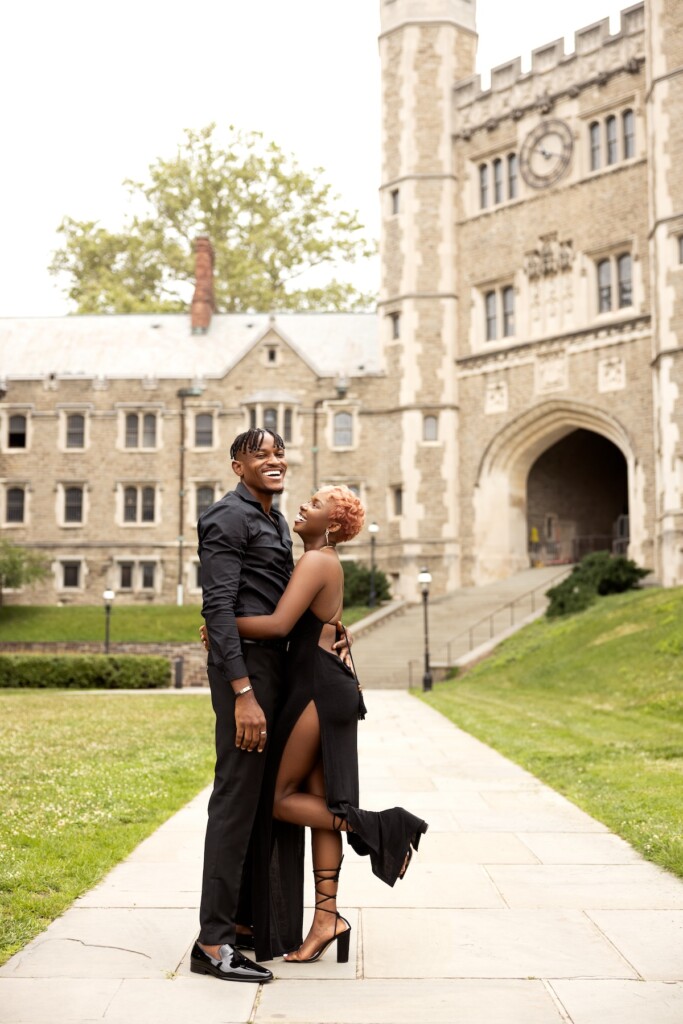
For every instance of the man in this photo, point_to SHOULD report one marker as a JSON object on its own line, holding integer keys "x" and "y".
{"x": 245, "y": 551}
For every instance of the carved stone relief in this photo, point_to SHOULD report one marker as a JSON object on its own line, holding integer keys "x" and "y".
{"x": 551, "y": 372}
{"x": 611, "y": 374}
{"x": 496, "y": 397}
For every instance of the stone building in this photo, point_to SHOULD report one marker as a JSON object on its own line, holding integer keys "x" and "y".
{"x": 518, "y": 396}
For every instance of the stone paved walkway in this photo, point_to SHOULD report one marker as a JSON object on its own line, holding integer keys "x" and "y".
{"x": 518, "y": 909}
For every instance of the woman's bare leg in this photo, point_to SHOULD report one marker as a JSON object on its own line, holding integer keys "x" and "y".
{"x": 300, "y": 799}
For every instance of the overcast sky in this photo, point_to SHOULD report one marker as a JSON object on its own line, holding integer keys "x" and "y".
{"x": 94, "y": 91}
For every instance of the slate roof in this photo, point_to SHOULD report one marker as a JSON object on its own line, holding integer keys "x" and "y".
{"x": 161, "y": 345}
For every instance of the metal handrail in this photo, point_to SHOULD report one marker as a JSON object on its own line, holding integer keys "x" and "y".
{"x": 490, "y": 619}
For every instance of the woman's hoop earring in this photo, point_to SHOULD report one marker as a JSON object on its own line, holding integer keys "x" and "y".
{"x": 327, "y": 538}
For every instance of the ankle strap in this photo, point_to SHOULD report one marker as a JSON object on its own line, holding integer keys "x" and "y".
{"x": 326, "y": 875}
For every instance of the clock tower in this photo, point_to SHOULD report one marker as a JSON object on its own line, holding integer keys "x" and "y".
{"x": 425, "y": 46}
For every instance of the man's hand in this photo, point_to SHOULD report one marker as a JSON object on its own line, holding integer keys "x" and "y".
{"x": 343, "y": 648}
{"x": 204, "y": 637}
{"x": 250, "y": 722}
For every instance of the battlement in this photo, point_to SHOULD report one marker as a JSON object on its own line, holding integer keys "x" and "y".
{"x": 595, "y": 51}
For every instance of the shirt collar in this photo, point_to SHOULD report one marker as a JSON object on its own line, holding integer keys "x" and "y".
{"x": 246, "y": 495}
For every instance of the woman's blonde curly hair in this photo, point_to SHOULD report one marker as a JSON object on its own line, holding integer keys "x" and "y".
{"x": 347, "y": 510}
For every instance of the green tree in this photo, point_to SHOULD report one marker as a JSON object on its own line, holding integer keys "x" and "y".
{"x": 19, "y": 566}
{"x": 269, "y": 222}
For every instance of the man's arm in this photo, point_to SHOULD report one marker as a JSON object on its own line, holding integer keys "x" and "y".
{"x": 222, "y": 545}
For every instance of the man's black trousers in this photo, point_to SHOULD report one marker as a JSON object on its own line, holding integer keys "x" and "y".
{"x": 235, "y": 798}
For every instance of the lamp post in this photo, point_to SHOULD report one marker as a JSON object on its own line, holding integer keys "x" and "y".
{"x": 108, "y": 598}
{"x": 424, "y": 579}
{"x": 373, "y": 530}
{"x": 342, "y": 387}
{"x": 192, "y": 392}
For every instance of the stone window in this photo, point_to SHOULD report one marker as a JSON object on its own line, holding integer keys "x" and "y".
{"x": 483, "y": 186}
{"x": 508, "y": 311}
{"x": 397, "y": 501}
{"x": 625, "y": 280}
{"x": 197, "y": 574}
{"x": 75, "y": 430}
{"x": 148, "y": 574}
{"x": 490, "y": 305}
{"x": 277, "y": 418}
{"x": 395, "y": 197}
{"x": 604, "y": 286}
{"x": 17, "y": 434}
{"x": 15, "y": 505}
{"x": 272, "y": 355}
{"x": 594, "y": 132}
{"x": 139, "y": 504}
{"x": 126, "y": 575}
{"x": 342, "y": 430}
{"x": 203, "y": 430}
{"x": 611, "y": 136}
{"x": 628, "y": 129}
{"x": 71, "y": 575}
{"x": 680, "y": 249}
{"x": 512, "y": 176}
{"x": 498, "y": 181}
{"x": 430, "y": 428}
{"x": 73, "y": 504}
{"x": 204, "y": 498}
{"x": 395, "y": 321}
{"x": 270, "y": 419}
{"x": 287, "y": 426}
{"x": 252, "y": 418}
{"x": 141, "y": 430}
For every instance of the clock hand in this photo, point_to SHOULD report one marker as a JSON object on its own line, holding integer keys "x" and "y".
{"x": 547, "y": 153}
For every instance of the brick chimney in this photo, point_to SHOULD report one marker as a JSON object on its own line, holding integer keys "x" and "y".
{"x": 202, "y": 301}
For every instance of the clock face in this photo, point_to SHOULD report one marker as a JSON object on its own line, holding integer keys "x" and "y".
{"x": 546, "y": 153}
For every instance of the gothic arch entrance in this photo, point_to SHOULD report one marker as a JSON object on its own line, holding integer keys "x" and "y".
{"x": 561, "y": 453}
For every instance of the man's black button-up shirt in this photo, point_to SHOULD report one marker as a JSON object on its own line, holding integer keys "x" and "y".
{"x": 246, "y": 562}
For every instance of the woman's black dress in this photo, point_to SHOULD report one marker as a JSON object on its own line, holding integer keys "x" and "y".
{"x": 318, "y": 675}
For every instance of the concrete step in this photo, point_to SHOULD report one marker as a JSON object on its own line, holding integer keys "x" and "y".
{"x": 391, "y": 656}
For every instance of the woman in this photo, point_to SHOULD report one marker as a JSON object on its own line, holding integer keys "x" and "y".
{"x": 312, "y": 775}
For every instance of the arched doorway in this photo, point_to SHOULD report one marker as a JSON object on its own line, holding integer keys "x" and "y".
{"x": 577, "y": 499}
{"x": 501, "y": 527}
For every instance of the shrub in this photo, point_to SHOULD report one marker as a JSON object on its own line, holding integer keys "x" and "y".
{"x": 84, "y": 671}
{"x": 357, "y": 584}
{"x": 595, "y": 575}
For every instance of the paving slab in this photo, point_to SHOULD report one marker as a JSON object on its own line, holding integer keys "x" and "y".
{"x": 620, "y": 1002}
{"x": 518, "y": 909}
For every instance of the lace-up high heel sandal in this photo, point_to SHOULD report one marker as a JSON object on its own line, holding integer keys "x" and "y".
{"x": 343, "y": 939}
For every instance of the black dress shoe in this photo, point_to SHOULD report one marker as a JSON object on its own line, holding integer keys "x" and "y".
{"x": 232, "y": 965}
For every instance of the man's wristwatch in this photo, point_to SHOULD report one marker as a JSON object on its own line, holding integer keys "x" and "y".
{"x": 245, "y": 689}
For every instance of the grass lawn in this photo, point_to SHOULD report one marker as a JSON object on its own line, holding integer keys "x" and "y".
{"x": 129, "y": 623}
{"x": 83, "y": 779}
{"x": 593, "y": 706}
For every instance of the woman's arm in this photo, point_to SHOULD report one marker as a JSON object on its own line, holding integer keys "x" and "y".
{"x": 312, "y": 573}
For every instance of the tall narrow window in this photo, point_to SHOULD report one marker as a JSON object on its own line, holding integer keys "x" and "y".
{"x": 395, "y": 201}
{"x": 483, "y": 186}
{"x": 147, "y": 574}
{"x": 205, "y": 498}
{"x": 270, "y": 419}
{"x": 149, "y": 430}
{"x": 71, "y": 574}
{"x": 395, "y": 321}
{"x": 680, "y": 248}
{"x": 73, "y": 504}
{"x": 203, "y": 430}
{"x": 132, "y": 430}
{"x": 628, "y": 127}
{"x": 624, "y": 279}
{"x": 498, "y": 181}
{"x": 343, "y": 430}
{"x": 512, "y": 176}
{"x": 17, "y": 431}
{"x": 252, "y": 418}
{"x": 430, "y": 428}
{"x": 397, "y": 500}
{"x": 508, "y": 312}
{"x": 125, "y": 575}
{"x": 491, "y": 318}
{"x": 604, "y": 286}
{"x": 147, "y": 504}
{"x": 75, "y": 430}
{"x": 130, "y": 505}
{"x": 594, "y": 132}
{"x": 15, "y": 508}
{"x": 287, "y": 429}
{"x": 611, "y": 131}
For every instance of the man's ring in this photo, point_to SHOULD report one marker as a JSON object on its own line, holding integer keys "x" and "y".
{"x": 263, "y": 732}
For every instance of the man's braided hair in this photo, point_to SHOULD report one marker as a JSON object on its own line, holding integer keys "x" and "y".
{"x": 250, "y": 441}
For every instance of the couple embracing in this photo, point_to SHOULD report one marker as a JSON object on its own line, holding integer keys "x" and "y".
{"x": 287, "y": 709}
